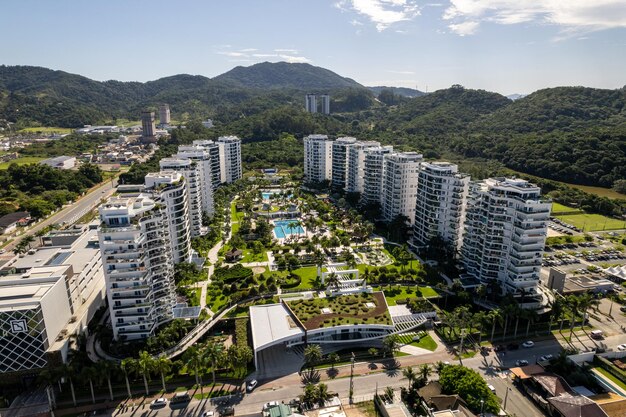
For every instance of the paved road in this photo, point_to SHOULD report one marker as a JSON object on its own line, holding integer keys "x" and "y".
{"x": 69, "y": 214}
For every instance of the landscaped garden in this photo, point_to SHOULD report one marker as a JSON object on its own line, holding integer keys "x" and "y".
{"x": 361, "y": 308}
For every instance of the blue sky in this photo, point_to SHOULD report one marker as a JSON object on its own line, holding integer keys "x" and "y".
{"x": 508, "y": 46}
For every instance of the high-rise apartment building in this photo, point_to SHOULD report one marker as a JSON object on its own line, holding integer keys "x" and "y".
{"x": 325, "y": 98}
{"x": 355, "y": 181}
{"x": 440, "y": 204}
{"x": 317, "y": 158}
{"x": 171, "y": 189}
{"x": 164, "y": 114}
{"x": 204, "y": 163}
{"x": 399, "y": 188}
{"x": 340, "y": 161}
{"x": 190, "y": 170}
{"x": 373, "y": 165}
{"x": 230, "y": 158}
{"x": 311, "y": 103}
{"x": 138, "y": 267}
{"x": 148, "y": 127}
{"x": 505, "y": 234}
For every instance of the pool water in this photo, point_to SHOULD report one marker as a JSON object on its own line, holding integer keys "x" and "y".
{"x": 282, "y": 230}
{"x": 266, "y": 194}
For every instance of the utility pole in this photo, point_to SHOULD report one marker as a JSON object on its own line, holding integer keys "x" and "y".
{"x": 461, "y": 347}
{"x": 351, "y": 392}
{"x": 506, "y": 396}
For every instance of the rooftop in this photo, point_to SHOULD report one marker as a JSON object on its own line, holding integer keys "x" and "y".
{"x": 271, "y": 323}
{"x": 17, "y": 293}
{"x": 342, "y": 310}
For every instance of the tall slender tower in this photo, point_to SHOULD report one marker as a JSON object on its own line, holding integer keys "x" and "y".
{"x": 325, "y": 103}
{"x": 311, "y": 103}
{"x": 148, "y": 127}
{"x": 164, "y": 114}
{"x": 400, "y": 171}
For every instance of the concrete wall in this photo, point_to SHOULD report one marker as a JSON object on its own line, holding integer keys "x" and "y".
{"x": 55, "y": 307}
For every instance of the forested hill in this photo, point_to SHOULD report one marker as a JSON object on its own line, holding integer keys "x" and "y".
{"x": 286, "y": 75}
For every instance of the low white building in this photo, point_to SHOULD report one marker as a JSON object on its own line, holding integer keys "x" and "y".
{"x": 60, "y": 162}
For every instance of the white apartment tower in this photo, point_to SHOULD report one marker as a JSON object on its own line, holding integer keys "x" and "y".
{"x": 164, "y": 114}
{"x": 311, "y": 103}
{"x": 230, "y": 158}
{"x": 190, "y": 170}
{"x": 399, "y": 185}
{"x": 355, "y": 182}
{"x": 317, "y": 158}
{"x": 340, "y": 161}
{"x": 373, "y": 174}
{"x": 138, "y": 267}
{"x": 204, "y": 162}
{"x": 440, "y": 204}
{"x": 325, "y": 103}
{"x": 505, "y": 234}
{"x": 171, "y": 188}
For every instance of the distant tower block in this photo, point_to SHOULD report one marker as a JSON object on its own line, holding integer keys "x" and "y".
{"x": 148, "y": 127}
{"x": 164, "y": 114}
{"x": 311, "y": 103}
{"x": 325, "y": 103}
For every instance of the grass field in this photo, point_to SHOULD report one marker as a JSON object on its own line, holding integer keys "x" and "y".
{"x": 21, "y": 161}
{"x": 560, "y": 208}
{"x": 587, "y": 222}
{"x": 601, "y": 191}
{"x": 48, "y": 130}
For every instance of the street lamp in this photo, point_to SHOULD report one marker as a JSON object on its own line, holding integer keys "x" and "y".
{"x": 351, "y": 393}
{"x": 461, "y": 347}
{"x": 482, "y": 408}
{"x": 506, "y": 397}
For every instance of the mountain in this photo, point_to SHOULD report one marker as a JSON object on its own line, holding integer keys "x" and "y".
{"x": 515, "y": 96}
{"x": 286, "y": 75}
{"x": 399, "y": 91}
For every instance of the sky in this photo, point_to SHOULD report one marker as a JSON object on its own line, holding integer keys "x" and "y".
{"x": 507, "y": 46}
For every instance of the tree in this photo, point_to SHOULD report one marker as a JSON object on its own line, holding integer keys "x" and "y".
{"x": 389, "y": 394}
{"x": 163, "y": 365}
{"x": 195, "y": 361}
{"x": 424, "y": 372}
{"x": 322, "y": 394}
{"x": 127, "y": 365}
{"x": 214, "y": 353}
{"x": 496, "y": 317}
{"x": 620, "y": 186}
{"x": 332, "y": 281}
{"x": 309, "y": 395}
{"x": 469, "y": 385}
{"x": 144, "y": 366}
{"x": 333, "y": 358}
{"x": 372, "y": 352}
{"x": 105, "y": 368}
{"x": 312, "y": 355}
{"x": 391, "y": 344}
{"x": 409, "y": 374}
{"x": 67, "y": 370}
{"x": 88, "y": 374}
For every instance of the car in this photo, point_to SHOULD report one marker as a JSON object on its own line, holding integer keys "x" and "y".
{"x": 208, "y": 414}
{"x": 621, "y": 347}
{"x": 521, "y": 362}
{"x": 252, "y": 385}
{"x": 512, "y": 346}
{"x": 545, "y": 358}
{"x": 499, "y": 348}
{"x": 528, "y": 344}
{"x": 622, "y": 309}
{"x": 492, "y": 388}
{"x": 158, "y": 403}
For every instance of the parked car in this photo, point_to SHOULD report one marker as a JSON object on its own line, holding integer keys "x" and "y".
{"x": 499, "y": 348}
{"x": 521, "y": 362}
{"x": 546, "y": 358}
{"x": 512, "y": 346}
{"x": 158, "y": 403}
{"x": 208, "y": 414}
{"x": 621, "y": 347}
{"x": 528, "y": 344}
{"x": 492, "y": 388}
{"x": 252, "y": 385}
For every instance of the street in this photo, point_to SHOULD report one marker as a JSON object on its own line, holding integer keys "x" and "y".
{"x": 68, "y": 215}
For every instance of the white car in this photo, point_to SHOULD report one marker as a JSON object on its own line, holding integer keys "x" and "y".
{"x": 492, "y": 388}
{"x": 621, "y": 347}
{"x": 546, "y": 358}
{"x": 252, "y": 385}
{"x": 208, "y": 414}
{"x": 528, "y": 344}
{"x": 521, "y": 362}
{"x": 159, "y": 402}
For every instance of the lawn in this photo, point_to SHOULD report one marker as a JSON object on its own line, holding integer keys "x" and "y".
{"x": 308, "y": 275}
{"x": 48, "y": 130}
{"x": 611, "y": 377}
{"x": 216, "y": 302}
{"x": 248, "y": 256}
{"x": 560, "y": 208}
{"x": 398, "y": 292}
{"x": 585, "y": 221}
{"x": 21, "y": 161}
{"x": 425, "y": 341}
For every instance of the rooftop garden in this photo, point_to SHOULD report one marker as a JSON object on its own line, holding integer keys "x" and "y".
{"x": 352, "y": 309}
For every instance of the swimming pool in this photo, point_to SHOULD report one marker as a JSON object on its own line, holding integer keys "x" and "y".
{"x": 266, "y": 194}
{"x": 282, "y": 230}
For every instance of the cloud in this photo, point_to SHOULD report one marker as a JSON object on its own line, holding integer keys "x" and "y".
{"x": 233, "y": 54}
{"x": 264, "y": 55}
{"x": 248, "y": 50}
{"x": 383, "y": 13}
{"x": 401, "y": 72}
{"x": 294, "y": 59}
{"x": 279, "y": 54}
{"x": 355, "y": 22}
{"x": 286, "y": 51}
{"x": 571, "y": 16}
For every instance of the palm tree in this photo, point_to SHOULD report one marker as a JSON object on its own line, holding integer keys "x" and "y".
{"x": 309, "y": 395}
{"x": 531, "y": 316}
{"x": 332, "y": 281}
{"x": 572, "y": 305}
{"x": 409, "y": 374}
{"x": 194, "y": 360}
{"x": 556, "y": 312}
{"x": 496, "y": 317}
{"x": 424, "y": 371}
{"x": 67, "y": 370}
{"x": 104, "y": 369}
{"x": 389, "y": 393}
{"x": 391, "y": 344}
{"x": 127, "y": 365}
{"x": 585, "y": 302}
{"x": 214, "y": 353}
{"x": 333, "y": 358}
{"x": 439, "y": 367}
{"x": 322, "y": 394}
{"x": 144, "y": 366}
{"x": 89, "y": 373}
{"x": 163, "y": 366}
{"x": 312, "y": 355}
